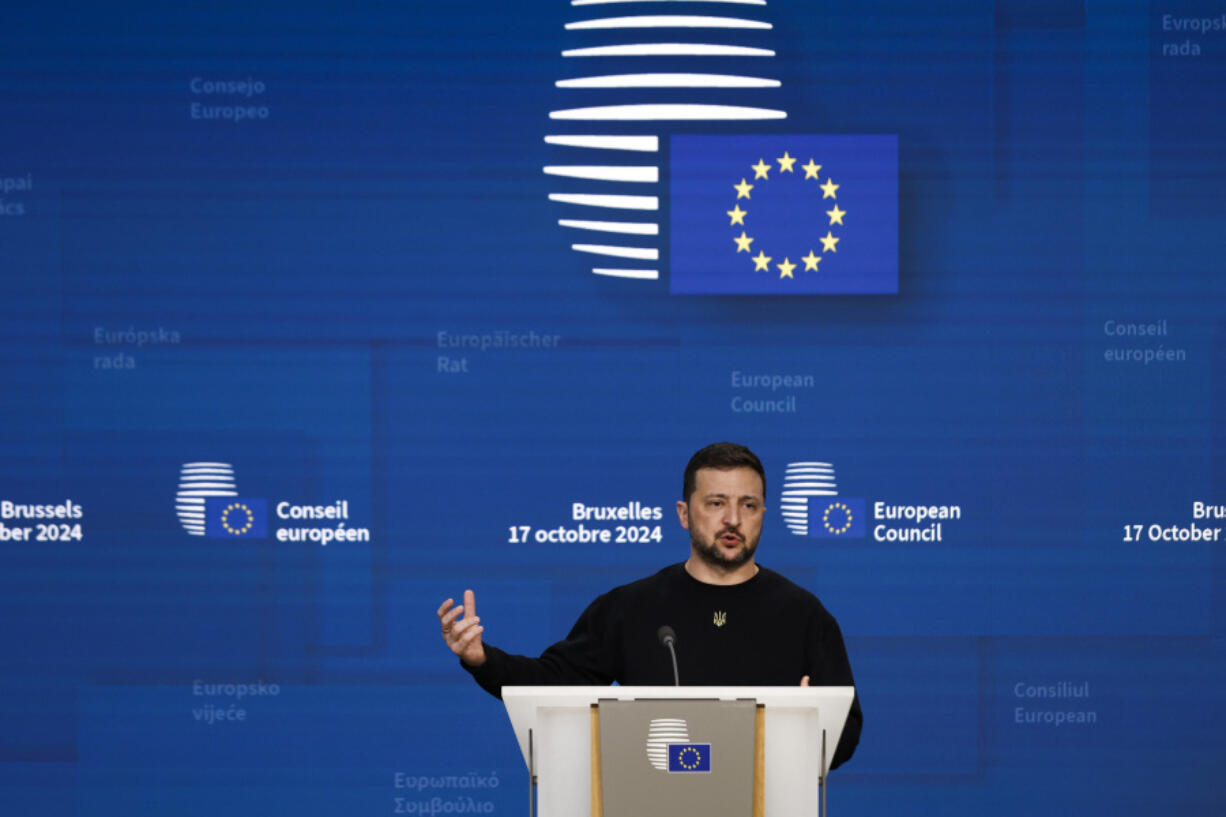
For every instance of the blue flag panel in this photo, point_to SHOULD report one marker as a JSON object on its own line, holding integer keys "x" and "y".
{"x": 784, "y": 215}
{"x": 689, "y": 757}
{"x": 236, "y": 518}
{"x": 836, "y": 518}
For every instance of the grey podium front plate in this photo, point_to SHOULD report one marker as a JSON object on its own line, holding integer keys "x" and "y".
{"x": 634, "y": 763}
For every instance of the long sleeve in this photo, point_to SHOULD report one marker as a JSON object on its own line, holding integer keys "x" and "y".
{"x": 588, "y": 655}
{"x": 829, "y": 666}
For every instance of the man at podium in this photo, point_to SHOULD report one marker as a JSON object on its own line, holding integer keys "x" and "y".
{"x": 732, "y": 621}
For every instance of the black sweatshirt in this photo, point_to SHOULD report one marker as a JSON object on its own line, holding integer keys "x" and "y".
{"x": 774, "y": 632}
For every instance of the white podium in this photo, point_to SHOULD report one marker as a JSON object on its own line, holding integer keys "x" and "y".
{"x": 553, "y": 727}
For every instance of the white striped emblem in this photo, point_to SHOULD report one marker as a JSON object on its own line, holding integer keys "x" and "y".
{"x": 653, "y": 59}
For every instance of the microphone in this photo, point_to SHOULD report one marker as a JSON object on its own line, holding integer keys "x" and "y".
{"x": 668, "y": 638}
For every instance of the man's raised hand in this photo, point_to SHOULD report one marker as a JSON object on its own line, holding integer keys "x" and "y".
{"x": 463, "y": 635}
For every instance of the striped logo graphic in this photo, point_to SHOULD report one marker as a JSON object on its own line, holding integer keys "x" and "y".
{"x": 801, "y": 482}
{"x": 662, "y": 733}
{"x": 811, "y": 505}
{"x": 198, "y": 481}
{"x": 632, "y": 79}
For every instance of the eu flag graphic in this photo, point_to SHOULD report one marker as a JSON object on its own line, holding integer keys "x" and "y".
{"x": 783, "y": 214}
{"x": 689, "y": 757}
{"x": 228, "y": 517}
{"x": 837, "y": 517}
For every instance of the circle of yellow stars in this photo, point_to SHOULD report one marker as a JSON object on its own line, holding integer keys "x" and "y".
{"x": 689, "y": 757}
{"x": 242, "y": 528}
{"x": 847, "y": 522}
{"x": 761, "y": 170}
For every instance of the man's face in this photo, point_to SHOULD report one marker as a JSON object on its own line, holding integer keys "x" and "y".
{"x": 724, "y": 515}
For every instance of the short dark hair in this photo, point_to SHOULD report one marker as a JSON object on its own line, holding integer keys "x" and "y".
{"x": 721, "y": 456}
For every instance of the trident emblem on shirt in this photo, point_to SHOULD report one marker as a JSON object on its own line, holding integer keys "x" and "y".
{"x": 721, "y": 618}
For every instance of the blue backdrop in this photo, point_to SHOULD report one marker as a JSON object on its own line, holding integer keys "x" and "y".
{"x": 330, "y": 265}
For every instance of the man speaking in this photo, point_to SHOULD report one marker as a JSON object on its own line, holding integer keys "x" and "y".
{"x": 735, "y": 623}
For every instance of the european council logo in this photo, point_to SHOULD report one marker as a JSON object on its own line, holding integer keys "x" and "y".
{"x": 198, "y": 481}
{"x": 811, "y": 505}
{"x": 784, "y": 215}
{"x": 236, "y": 518}
{"x": 689, "y": 757}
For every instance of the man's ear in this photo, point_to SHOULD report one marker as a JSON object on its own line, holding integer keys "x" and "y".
{"x": 683, "y": 514}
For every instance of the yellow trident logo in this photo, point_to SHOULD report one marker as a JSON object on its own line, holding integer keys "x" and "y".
{"x": 721, "y": 618}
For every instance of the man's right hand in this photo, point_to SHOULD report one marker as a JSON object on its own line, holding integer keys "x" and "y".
{"x": 463, "y": 636}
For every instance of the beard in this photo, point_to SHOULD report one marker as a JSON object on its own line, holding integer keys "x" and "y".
{"x": 715, "y": 556}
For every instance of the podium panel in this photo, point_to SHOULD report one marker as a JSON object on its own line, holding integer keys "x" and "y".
{"x": 661, "y": 758}
{"x": 553, "y": 728}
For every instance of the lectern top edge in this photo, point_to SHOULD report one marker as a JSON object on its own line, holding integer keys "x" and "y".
{"x": 523, "y": 702}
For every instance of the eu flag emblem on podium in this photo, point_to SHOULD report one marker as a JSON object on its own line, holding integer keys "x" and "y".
{"x": 783, "y": 214}
{"x": 228, "y": 517}
{"x": 689, "y": 757}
